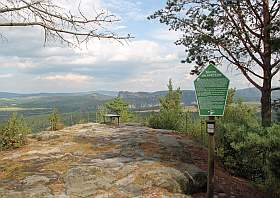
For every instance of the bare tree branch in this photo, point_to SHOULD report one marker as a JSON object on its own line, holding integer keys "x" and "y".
{"x": 254, "y": 11}
{"x": 90, "y": 34}
{"x": 243, "y": 40}
{"x": 274, "y": 12}
{"x": 57, "y": 23}
{"x": 275, "y": 89}
{"x": 277, "y": 66}
{"x": 12, "y": 9}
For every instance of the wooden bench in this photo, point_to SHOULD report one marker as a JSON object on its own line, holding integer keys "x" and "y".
{"x": 111, "y": 116}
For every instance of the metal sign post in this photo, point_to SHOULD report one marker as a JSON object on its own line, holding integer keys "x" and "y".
{"x": 211, "y": 149}
{"x": 211, "y": 89}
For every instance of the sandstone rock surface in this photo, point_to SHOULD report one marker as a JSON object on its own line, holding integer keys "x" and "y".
{"x": 95, "y": 160}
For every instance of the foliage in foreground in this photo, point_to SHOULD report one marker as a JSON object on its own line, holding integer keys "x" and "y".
{"x": 247, "y": 149}
{"x": 244, "y": 147}
{"x": 171, "y": 111}
{"x": 13, "y": 133}
{"x": 116, "y": 106}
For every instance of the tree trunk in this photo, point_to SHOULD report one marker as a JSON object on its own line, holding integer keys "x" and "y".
{"x": 266, "y": 89}
{"x": 266, "y": 103}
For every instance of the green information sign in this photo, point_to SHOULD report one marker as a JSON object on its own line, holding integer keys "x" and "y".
{"x": 211, "y": 88}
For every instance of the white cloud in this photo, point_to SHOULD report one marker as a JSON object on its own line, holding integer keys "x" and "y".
{"x": 67, "y": 77}
{"x": 166, "y": 35}
{"x": 120, "y": 27}
{"x": 141, "y": 51}
{"x": 129, "y": 10}
{"x": 86, "y": 6}
{"x": 145, "y": 63}
{"x": 16, "y": 62}
{"x": 137, "y": 50}
{"x": 55, "y": 51}
{"x": 6, "y": 76}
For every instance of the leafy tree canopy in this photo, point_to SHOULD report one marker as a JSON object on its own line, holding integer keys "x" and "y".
{"x": 171, "y": 111}
{"x": 236, "y": 31}
{"x": 242, "y": 33}
{"x": 117, "y": 105}
{"x": 172, "y": 101}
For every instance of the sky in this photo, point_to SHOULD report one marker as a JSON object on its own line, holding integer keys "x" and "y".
{"x": 144, "y": 63}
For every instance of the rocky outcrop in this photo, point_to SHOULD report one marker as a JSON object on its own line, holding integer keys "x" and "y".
{"x": 94, "y": 160}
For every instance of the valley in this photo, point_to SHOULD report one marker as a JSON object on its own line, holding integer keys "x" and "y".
{"x": 81, "y": 107}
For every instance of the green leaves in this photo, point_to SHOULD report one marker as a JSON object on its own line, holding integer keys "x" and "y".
{"x": 246, "y": 148}
{"x": 13, "y": 133}
{"x": 54, "y": 119}
{"x": 115, "y": 106}
{"x": 100, "y": 112}
{"x": 170, "y": 115}
{"x": 275, "y": 44}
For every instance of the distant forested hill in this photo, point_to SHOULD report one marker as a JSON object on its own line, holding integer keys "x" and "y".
{"x": 150, "y": 99}
{"x": 88, "y": 101}
{"x": 19, "y": 95}
{"x": 64, "y": 102}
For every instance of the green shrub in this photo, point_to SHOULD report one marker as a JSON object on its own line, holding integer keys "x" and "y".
{"x": 271, "y": 152}
{"x": 244, "y": 147}
{"x": 13, "y": 133}
{"x": 120, "y": 107}
{"x": 195, "y": 128}
{"x": 171, "y": 112}
{"x": 273, "y": 149}
{"x": 101, "y": 111}
{"x": 239, "y": 141}
{"x": 274, "y": 162}
{"x": 247, "y": 149}
{"x": 54, "y": 119}
{"x": 116, "y": 106}
{"x": 139, "y": 117}
{"x": 154, "y": 121}
{"x": 167, "y": 119}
